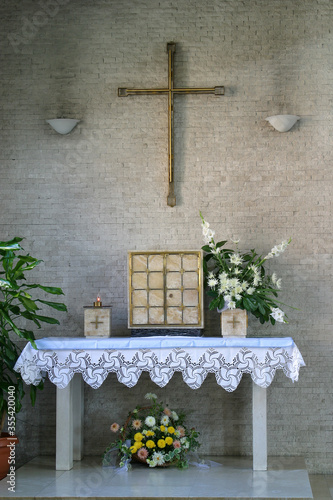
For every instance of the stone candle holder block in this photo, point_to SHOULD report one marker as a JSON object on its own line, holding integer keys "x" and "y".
{"x": 97, "y": 321}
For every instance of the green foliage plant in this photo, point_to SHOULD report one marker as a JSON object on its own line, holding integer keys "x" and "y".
{"x": 19, "y": 307}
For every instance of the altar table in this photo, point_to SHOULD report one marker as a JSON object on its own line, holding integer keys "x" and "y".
{"x": 65, "y": 358}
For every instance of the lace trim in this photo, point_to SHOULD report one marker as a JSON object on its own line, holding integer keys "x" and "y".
{"x": 95, "y": 366}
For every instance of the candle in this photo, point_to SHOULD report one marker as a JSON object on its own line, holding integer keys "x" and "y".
{"x": 98, "y": 302}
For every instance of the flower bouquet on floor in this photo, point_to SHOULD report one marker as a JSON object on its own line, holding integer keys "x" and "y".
{"x": 153, "y": 435}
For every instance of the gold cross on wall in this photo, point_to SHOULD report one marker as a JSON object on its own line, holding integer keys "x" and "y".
{"x": 96, "y": 323}
{"x": 170, "y": 91}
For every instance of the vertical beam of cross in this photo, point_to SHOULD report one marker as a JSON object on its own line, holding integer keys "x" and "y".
{"x": 170, "y": 91}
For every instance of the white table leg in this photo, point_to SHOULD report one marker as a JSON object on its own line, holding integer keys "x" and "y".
{"x": 259, "y": 422}
{"x": 64, "y": 428}
{"x": 78, "y": 414}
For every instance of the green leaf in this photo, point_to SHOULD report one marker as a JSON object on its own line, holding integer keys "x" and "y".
{"x": 48, "y": 289}
{"x": 261, "y": 309}
{"x": 29, "y": 304}
{"x": 23, "y": 259}
{"x": 14, "y": 309}
{"x": 249, "y": 306}
{"x": 29, "y": 335}
{"x": 11, "y": 245}
{"x": 206, "y": 248}
{"x": 30, "y": 317}
{"x": 10, "y": 322}
{"x": 214, "y": 303}
{"x": 33, "y": 393}
{"x": 59, "y": 306}
{"x": 221, "y": 302}
{"x": 11, "y": 355}
{"x": 46, "y": 319}
{"x": 221, "y": 243}
{"x": 31, "y": 266}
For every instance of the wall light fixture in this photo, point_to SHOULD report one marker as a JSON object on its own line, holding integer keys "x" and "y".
{"x": 283, "y": 123}
{"x": 63, "y": 125}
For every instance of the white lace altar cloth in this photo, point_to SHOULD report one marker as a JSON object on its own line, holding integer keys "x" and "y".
{"x": 161, "y": 357}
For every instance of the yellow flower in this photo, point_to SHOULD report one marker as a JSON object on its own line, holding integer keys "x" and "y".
{"x": 161, "y": 443}
{"x": 133, "y": 449}
{"x": 162, "y": 427}
{"x": 138, "y": 445}
{"x": 150, "y": 444}
{"x": 150, "y": 433}
{"x": 169, "y": 440}
{"x": 171, "y": 430}
{"x": 138, "y": 436}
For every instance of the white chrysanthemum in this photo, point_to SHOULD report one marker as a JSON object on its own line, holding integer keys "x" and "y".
{"x": 232, "y": 304}
{"x": 233, "y": 282}
{"x": 256, "y": 280}
{"x": 222, "y": 289}
{"x": 250, "y": 290}
{"x": 236, "y": 259}
{"x": 277, "y": 314}
{"x": 278, "y": 283}
{"x": 151, "y": 462}
{"x": 227, "y": 298}
{"x": 165, "y": 420}
{"x": 158, "y": 458}
{"x": 150, "y": 395}
{"x": 185, "y": 443}
{"x": 237, "y": 271}
{"x": 244, "y": 285}
{"x": 224, "y": 280}
{"x": 150, "y": 421}
{"x": 212, "y": 282}
{"x": 174, "y": 415}
{"x": 274, "y": 278}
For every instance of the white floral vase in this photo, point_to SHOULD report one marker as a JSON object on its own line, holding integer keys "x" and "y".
{"x": 234, "y": 323}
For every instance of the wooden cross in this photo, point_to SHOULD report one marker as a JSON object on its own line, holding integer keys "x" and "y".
{"x": 170, "y": 91}
{"x": 233, "y": 322}
{"x": 96, "y": 322}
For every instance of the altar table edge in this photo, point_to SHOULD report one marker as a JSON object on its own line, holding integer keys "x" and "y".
{"x": 161, "y": 357}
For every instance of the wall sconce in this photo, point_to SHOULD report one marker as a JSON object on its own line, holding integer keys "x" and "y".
{"x": 63, "y": 125}
{"x": 282, "y": 123}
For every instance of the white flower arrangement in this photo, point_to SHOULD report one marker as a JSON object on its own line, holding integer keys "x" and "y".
{"x": 239, "y": 280}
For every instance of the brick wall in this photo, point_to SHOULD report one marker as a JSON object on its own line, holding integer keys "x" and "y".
{"x": 83, "y": 200}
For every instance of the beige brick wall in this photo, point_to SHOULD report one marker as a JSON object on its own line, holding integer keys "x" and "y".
{"x": 83, "y": 200}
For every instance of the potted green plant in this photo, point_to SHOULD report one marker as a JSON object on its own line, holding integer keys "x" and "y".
{"x": 18, "y": 307}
